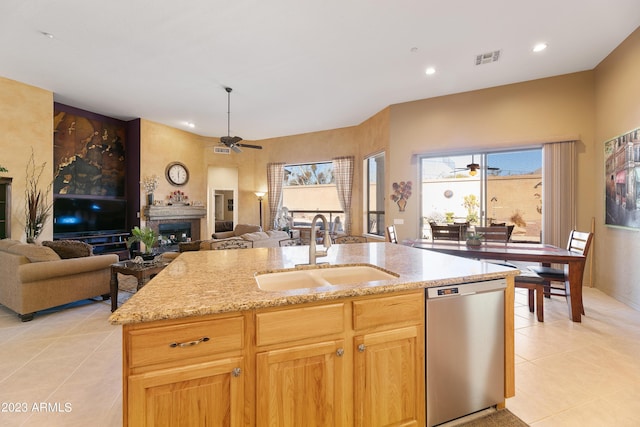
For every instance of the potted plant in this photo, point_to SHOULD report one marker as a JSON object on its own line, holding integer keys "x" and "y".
{"x": 474, "y": 239}
{"x": 145, "y": 235}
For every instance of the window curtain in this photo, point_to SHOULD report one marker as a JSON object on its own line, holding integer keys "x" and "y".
{"x": 343, "y": 173}
{"x": 558, "y": 192}
{"x": 275, "y": 177}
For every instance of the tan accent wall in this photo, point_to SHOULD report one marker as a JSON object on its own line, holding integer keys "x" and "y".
{"x": 26, "y": 121}
{"x": 617, "y": 100}
{"x": 513, "y": 116}
{"x": 589, "y": 106}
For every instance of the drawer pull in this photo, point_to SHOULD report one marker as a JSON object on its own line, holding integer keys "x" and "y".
{"x": 362, "y": 348}
{"x": 188, "y": 343}
{"x": 340, "y": 352}
{"x": 236, "y": 372}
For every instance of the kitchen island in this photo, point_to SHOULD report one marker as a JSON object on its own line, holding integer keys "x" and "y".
{"x": 202, "y": 334}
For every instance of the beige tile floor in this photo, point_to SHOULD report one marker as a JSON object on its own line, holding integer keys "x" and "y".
{"x": 64, "y": 367}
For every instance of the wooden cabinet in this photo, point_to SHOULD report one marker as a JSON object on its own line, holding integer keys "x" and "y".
{"x": 300, "y": 366}
{"x": 200, "y": 394}
{"x": 185, "y": 373}
{"x": 5, "y": 208}
{"x": 301, "y": 386}
{"x": 356, "y": 361}
{"x": 389, "y": 361}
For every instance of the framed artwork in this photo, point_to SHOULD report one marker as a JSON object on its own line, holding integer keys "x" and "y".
{"x": 622, "y": 180}
{"x": 88, "y": 153}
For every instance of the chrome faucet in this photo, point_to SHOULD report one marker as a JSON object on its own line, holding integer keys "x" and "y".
{"x": 326, "y": 240}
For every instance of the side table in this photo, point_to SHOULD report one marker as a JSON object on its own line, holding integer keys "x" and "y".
{"x": 142, "y": 272}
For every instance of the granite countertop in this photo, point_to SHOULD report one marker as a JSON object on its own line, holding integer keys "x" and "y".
{"x": 210, "y": 282}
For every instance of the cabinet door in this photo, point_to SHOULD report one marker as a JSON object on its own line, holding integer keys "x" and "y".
{"x": 301, "y": 386}
{"x": 205, "y": 394}
{"x": 389, "y": 378}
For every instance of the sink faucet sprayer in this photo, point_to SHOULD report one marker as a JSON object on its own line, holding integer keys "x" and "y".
{"x": 326, "y": 240}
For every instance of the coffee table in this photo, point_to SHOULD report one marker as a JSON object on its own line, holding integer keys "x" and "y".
{"x": 141, "y": 271}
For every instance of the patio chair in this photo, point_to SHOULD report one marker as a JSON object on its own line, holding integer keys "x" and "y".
{"x": 447, "y": 232}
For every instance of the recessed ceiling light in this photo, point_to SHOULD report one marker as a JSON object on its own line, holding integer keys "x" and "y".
{"x": 539, "y": 47}
{"x": 429, "y": 71}
{"x": 190, "y": 124}
{"x": 47, "y": 35}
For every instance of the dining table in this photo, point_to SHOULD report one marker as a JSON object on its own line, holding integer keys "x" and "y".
{"x": 528, "y": 252}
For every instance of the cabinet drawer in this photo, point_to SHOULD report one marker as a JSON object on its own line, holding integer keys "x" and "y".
{"x": 374, "y": 312}
{"x": 299, "y": 323}
{"x": 177, "y": 342}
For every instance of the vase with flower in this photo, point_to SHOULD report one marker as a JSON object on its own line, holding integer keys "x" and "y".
{"x": 150, "y": 184}
{"x": 401, "y": 193}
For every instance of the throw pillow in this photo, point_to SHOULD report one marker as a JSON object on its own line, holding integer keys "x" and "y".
{"x": 35, "y": 253}
{"x": 5, "y": 243}
{"x": 253, "y": 237}
{"x": 69, "y": 248}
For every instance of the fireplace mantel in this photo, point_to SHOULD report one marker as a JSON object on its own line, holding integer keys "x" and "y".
{"x": 158, "y": 213}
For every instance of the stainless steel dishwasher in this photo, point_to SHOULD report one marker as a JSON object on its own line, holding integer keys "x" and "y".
{"x": 464, "y": 349}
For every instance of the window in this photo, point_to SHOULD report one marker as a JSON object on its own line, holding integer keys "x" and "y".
{"x": 484, "y": 189}
{"x": 374, "y": 194}
{"x": 309, "y": 189}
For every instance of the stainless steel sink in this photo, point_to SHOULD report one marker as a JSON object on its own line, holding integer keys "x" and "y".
{"x": 318, "y": 277}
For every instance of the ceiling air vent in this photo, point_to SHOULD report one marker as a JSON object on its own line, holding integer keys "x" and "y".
{"x": 222, "y": 150}
{"x": 487, "y": 58}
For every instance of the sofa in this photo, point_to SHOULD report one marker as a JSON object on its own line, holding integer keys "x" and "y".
{"x": 252, "y": 233}
{"x": 36, "y": 277}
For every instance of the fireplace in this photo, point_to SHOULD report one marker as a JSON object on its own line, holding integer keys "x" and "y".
{"x": 174, "y": 224}
{"x": 172, "y": 233}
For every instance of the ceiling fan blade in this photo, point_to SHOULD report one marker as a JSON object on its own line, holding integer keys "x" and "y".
{"x": 230, "y": 140}
{"x": 258, "y": 147}
{"x": 235, "y": 148}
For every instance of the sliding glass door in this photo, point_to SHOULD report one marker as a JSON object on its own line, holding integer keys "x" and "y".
{"x": 483, "y": 189}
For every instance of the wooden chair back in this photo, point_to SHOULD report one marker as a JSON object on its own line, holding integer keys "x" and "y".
{"x": 580, "y": 242}
{"x": 391, "y": 234}
{"x": 350, "y": 239}
{"x": 499, "y": 234}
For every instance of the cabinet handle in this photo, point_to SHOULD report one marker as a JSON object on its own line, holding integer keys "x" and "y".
{"x": 340, "y": 352}
{"x": 188, "y": 343}
{"x": 236, "y": 372}
{"x": 362, "y": 348}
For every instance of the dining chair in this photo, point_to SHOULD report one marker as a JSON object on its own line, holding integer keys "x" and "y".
{"x": 391, "y": 234}
{"x": 494, "y": 233}
{"x": 446, "y": 232}
{"x": 529, "y": 280}
{"x": 504, "y": 224}
{"x": 231, "y": 244}
{"x": 579, "y": 242}
{"x": 294, "y": 241}
{"x": 350, "y": 239}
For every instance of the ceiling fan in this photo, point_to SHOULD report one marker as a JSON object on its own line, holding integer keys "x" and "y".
{"x": 473, "y": 168}
{"x": 233, "y": 142}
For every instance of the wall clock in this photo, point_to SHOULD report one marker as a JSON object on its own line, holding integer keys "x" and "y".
{"x": 177, "y": 173}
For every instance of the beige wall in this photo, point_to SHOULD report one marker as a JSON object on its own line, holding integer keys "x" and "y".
{"x": 26, "y": 121}
{"x": 517, "y": 115}
{"x": 617, "y": 100}
{"x": 589, "y": 106}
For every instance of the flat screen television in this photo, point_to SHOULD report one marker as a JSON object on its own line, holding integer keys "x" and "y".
{"x": 73, "y": 217}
